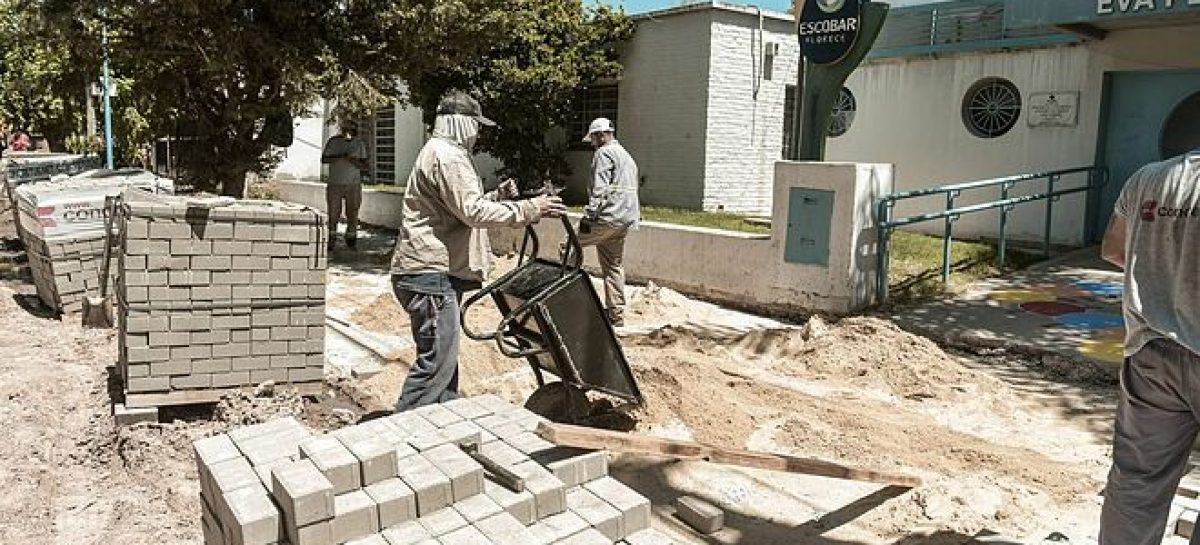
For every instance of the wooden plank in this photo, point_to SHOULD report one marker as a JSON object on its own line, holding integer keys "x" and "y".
{"x": 591, "y": 438}
{"x": 199, "y": 397}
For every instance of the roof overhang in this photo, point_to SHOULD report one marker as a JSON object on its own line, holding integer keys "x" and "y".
{"x": 714, "y": 5}
{"x": 1094, "y": 18}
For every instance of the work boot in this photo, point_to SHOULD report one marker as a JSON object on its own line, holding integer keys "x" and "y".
{"x": 352, "y": 242}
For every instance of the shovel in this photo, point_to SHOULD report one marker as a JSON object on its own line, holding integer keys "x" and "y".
{"x": 97, "y": 311}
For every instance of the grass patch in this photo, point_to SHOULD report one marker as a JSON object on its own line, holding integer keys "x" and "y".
{"x": 699, "y": 218}
{"x": 915, "y": 273}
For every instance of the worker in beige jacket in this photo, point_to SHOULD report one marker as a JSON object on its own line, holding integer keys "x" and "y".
{"x": 442, "y": 249}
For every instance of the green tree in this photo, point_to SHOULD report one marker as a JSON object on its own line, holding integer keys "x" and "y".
{"x": 42, "y": 81}
{"x": 530, "y": 59}
{"x": 225, "y": 76}
{"x": 228, "y": 76}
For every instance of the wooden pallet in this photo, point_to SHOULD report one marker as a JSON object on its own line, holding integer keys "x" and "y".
{"x": 200, "y": 397}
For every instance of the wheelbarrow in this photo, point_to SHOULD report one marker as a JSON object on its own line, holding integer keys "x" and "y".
{"x": 553, "y": 318}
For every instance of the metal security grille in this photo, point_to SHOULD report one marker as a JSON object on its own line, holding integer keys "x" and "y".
{"x": 843, "y": 113}
{"x": 384, "y": 154}
{"x": 991, "y": 107}
{"x": 590, "y": 103}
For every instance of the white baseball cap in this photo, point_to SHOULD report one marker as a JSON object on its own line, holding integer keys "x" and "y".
{"x": 600, "y": 124}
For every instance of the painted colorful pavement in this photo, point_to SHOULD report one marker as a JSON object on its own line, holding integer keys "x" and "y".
{"x": 1070, "y": 305}
{"x": 1089, "y": 309}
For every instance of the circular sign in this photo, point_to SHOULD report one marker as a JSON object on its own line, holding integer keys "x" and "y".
{"x": 831, "y": 6}
{"x": 827, "y": 29}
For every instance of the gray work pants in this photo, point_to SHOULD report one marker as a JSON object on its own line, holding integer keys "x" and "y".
{"x": 1158, "y": 415}
{"x": 610, "y": 249}
{"x": 435, "y": 329}
{"x": 351, "y": 196}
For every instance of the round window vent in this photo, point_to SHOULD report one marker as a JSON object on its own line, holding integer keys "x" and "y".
{"x": 991, "y": 107}
{"x": 843, "y": 113}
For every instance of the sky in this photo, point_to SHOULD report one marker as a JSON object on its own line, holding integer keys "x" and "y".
{"x": 642, "y": 6}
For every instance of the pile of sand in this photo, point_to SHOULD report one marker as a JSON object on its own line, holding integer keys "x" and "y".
{"x": 870, "y": 353}
{"x": 655, "y": 304}
{"x": 816, "y": 405}
{"x": 382, "y": 315}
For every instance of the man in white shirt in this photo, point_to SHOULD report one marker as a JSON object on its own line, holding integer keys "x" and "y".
{"x": 612, "y": 211}
{"x": 346, "y": 156}
{"x": 1155, "y": 237}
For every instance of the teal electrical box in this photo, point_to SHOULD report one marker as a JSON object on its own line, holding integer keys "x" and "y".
{"x": 809, "y": 223}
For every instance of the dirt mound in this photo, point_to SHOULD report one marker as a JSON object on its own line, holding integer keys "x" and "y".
{"x": 867, "y": 352}
{"x": 807, "y": 391}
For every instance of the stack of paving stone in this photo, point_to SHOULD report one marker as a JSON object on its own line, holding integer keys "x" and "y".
{"x": 20, "y": 168}
{"x": 62, "y": 228}
{"x": 406, "y": 480}
{"x": 217, "y": 293}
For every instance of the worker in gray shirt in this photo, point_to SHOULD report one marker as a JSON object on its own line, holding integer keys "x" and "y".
{"x": 346, "y": 156}
{"x": 612, "y": 211}
{"x": 442, "y": 249}
{"x": 1155, "y": 237}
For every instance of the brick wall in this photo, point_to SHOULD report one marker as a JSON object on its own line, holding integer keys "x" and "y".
{"x": 745, "y": 128}
{"x": 662, "y": 104}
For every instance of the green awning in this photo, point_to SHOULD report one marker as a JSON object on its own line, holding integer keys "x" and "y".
{"x": 1101, "y": 13}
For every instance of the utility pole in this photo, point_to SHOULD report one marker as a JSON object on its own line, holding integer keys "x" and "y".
{"x": 90, "y": 129}
{"x": 108, "y": 142}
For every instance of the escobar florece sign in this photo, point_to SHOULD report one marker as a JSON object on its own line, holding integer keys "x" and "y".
{"x": 828, "y": 29}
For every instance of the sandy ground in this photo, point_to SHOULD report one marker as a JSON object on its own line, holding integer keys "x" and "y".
{"x": 70, "y": 475}
{"x": 1004, "y": 444}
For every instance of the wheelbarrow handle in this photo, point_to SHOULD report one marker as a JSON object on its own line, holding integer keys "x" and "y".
{"x": 572, "y": 258}
{"x": 509, "y": 347}
{"x": 466, "y": 327}
{"x": 530, "y": 238}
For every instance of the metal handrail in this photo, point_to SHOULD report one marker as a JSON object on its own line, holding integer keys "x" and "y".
{"x": 1097, "y": 178}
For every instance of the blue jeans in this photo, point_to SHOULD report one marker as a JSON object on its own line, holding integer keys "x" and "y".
{"x": 431, "y": 301}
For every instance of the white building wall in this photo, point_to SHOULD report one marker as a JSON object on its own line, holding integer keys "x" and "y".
{"x": 662, "y": 100}
{"x": 745, "y": 111}
{"x": 909, "y": 114}
{"x": 410, "y": 137}
{"x": 302, "y": 160}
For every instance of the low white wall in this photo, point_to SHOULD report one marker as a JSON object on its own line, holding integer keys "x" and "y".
{"x": 738, "y": 269}
{"x": 751, "y": 271}
{"x": 380, "y": 208}
{"x": 724, "y": 266}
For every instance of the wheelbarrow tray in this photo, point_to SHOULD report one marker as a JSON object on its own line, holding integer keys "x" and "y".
{"x": 568, "y": 321}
